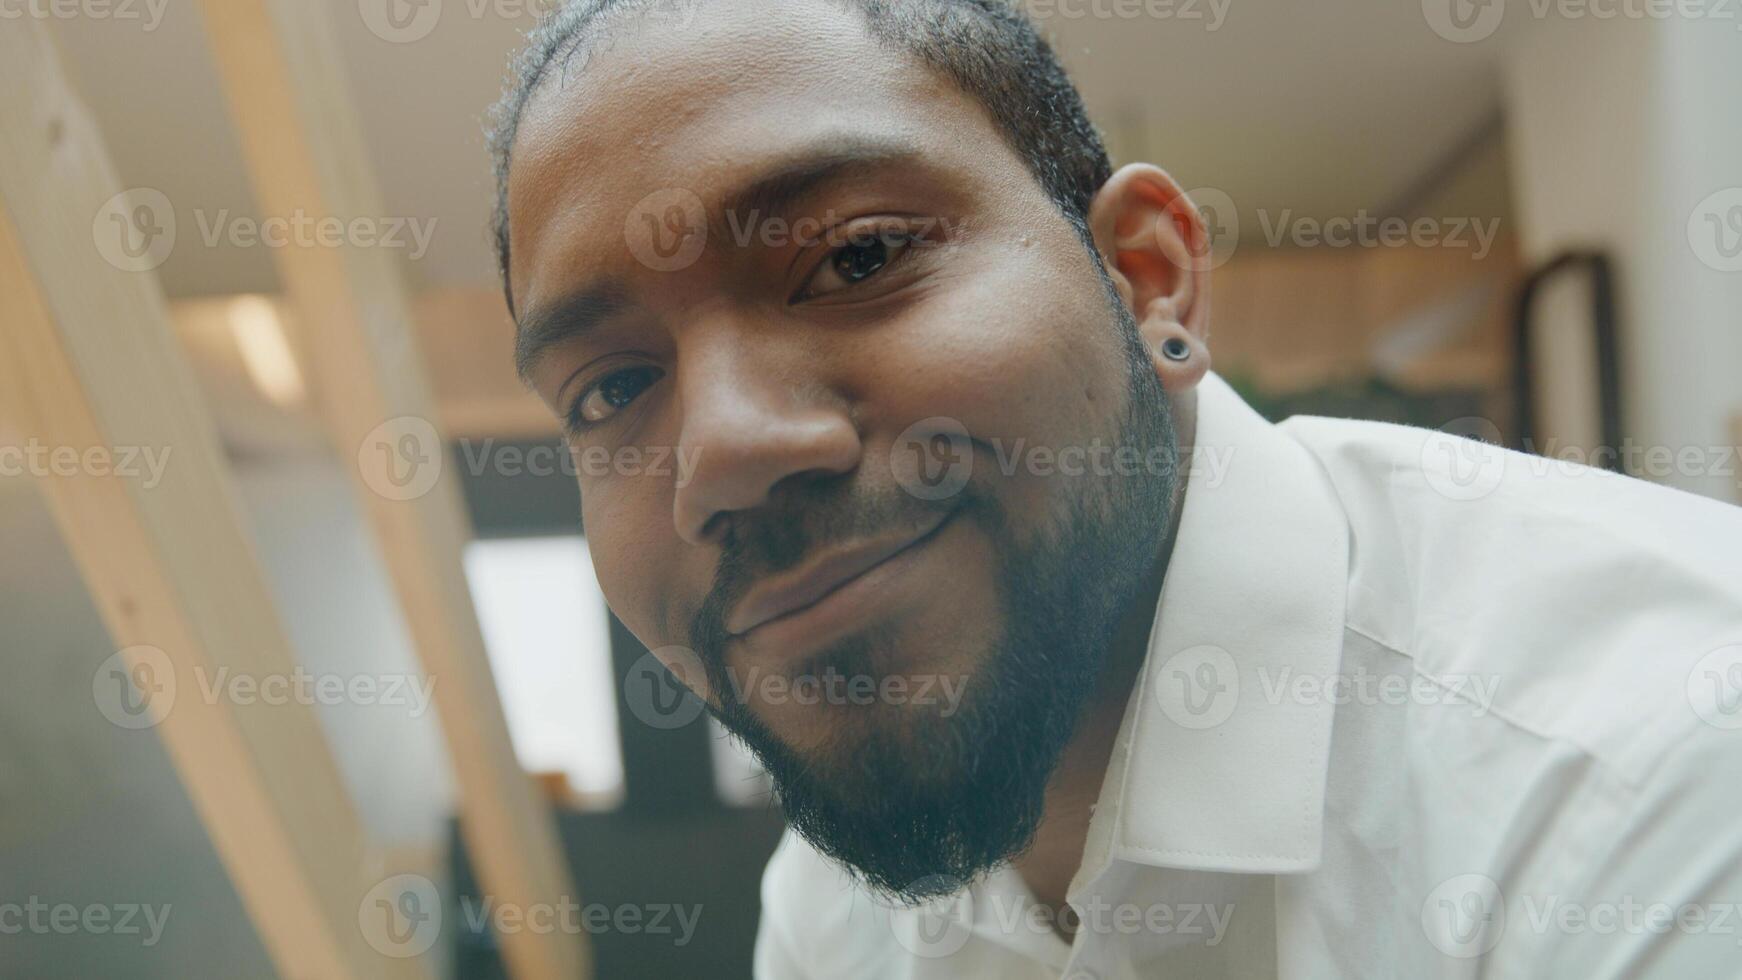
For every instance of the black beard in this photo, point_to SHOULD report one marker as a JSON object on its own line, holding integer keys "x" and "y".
{"x": 915, "y": 801}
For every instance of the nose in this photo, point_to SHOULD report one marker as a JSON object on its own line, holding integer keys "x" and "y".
{"x": 751, "y": 420}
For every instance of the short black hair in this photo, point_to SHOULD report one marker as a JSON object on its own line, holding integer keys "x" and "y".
{"x": 987, "y": 47}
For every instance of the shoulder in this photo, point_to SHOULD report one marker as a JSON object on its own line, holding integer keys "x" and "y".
{"x": 1425, "y": 478}
{"x": 1647, "y": 882}
{"x": 1596, "y": 604}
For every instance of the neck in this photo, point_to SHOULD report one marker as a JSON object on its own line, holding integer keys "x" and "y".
{"x": 1050, "y": 863}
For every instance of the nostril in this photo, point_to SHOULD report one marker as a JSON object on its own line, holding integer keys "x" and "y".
{"x": 718, "y": 526}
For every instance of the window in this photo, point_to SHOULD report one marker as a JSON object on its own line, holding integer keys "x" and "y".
{"x": 546, "y": 628}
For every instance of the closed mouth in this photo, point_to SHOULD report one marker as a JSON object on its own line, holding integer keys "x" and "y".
{"x": 793, "y": 592}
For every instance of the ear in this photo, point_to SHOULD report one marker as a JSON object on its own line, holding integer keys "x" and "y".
{"x": 1157, "y": 250}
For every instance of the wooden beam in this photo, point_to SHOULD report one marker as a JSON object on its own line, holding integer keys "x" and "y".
{"x": 287, "y": 91}
{"x": 88, "y": 362}
{"x": 1736, "y": 440}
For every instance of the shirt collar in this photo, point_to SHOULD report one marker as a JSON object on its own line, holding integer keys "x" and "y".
{"x": 1216, "y": 767}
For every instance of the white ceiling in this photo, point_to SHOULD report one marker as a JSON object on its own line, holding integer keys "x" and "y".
{"x": 1324, "y": 108}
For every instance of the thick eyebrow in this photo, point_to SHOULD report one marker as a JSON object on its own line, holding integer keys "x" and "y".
{"x": 782, "y": 185}
{"x": 787, "y": 181}
{"x": 572, "y": 317}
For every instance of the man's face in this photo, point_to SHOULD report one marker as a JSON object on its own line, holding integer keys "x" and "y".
{"x": 835, "y": 370}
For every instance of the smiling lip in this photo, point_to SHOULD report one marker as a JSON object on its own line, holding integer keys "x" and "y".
{"x": 814, "y": 581}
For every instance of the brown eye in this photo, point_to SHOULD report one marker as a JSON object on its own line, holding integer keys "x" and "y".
{"x": 860, "y": 261}
{"x": 610, "y": 395}
{"x": 862, "y": 257}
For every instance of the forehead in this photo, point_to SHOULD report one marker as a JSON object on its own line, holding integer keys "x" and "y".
{"x": 705, "y": 103}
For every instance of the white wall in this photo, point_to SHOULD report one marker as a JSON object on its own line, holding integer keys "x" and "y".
{"x": 1620, "y": 129}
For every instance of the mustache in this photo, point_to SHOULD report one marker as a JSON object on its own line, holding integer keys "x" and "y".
{"x": 800, "y": 521}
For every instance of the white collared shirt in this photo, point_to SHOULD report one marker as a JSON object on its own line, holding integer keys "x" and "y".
{"x": 1413, "y": 707}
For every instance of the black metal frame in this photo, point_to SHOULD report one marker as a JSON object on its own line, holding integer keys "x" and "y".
{"x": 1607, "y": 334}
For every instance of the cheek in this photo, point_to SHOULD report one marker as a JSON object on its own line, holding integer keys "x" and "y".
{"x": 1019, "y": 346}
{"x": 636, "y": 554}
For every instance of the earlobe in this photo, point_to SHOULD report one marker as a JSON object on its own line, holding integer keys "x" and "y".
{"x": 1180, "y": 359}
{"x": 1158, "y": 255}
